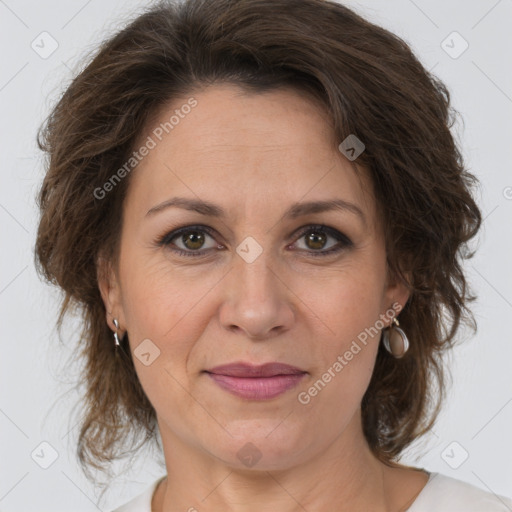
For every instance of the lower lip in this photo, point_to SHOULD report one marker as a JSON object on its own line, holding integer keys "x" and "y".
{"x": 257, "y": 388}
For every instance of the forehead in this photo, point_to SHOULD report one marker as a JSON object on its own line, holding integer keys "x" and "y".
{"x": 225, "y": 141}
{"x": 228, "y": 120}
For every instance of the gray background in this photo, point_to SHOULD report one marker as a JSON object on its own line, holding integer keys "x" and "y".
{"x": 36, "y": 392}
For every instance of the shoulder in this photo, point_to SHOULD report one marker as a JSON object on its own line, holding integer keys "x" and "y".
{"x": 445, "y": 494}
{"x": 141, "y": 502}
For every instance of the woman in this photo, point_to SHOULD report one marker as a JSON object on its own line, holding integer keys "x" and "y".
{"x": 261, "y": 211}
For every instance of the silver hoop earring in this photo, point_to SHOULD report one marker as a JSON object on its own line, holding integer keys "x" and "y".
{"x": 116, "y": 337}
{"x": 395, "y": 340}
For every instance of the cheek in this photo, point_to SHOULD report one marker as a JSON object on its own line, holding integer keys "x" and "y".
{"x": 344, "y": 361}
{"x": 166, "y": 307}
{"x": 345, "y": 301}
{"x": 347, "y": 306}
{"x": 159, "y": 299}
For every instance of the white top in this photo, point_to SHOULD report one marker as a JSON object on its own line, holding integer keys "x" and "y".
{"x": 441, "y": 494}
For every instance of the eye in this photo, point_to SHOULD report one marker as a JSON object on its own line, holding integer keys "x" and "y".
{"x": 316, "y": 240}
{"x": 189, "y": 240}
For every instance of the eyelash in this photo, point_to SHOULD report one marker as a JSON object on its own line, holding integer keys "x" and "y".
{"x": 166, "y": 240}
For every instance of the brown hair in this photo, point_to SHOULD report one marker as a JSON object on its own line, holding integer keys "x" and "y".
{"x": 372, "y": 85}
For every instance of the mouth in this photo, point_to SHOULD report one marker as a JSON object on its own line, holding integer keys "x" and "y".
{"x": 262, "y": 382}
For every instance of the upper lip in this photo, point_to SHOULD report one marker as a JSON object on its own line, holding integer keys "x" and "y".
{"x": 241, "y": 369}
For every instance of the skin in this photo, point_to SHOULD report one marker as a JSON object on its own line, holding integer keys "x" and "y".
{"x": 254, "y": 154}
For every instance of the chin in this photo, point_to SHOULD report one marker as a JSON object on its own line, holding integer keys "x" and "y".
{"x": 261, "y": 445}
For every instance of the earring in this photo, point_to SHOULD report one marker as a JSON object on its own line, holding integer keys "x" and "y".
{"x": 116, "y": 337}
{"x": 395, "y": 340}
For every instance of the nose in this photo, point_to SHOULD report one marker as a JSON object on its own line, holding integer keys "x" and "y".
{"x": 257, "y": 301}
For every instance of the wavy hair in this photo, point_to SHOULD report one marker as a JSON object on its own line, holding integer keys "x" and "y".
{"x": 371, "y": 84}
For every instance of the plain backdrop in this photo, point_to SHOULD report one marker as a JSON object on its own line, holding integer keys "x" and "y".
{"x": 472, "y": 439}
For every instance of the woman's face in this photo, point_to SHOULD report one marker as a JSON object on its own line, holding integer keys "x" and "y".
{"x": 253, "y": 279}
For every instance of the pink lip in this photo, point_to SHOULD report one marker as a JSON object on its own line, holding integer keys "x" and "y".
{"x": 256, "y": 382}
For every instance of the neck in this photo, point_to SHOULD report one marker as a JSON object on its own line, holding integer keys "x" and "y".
{"x": 346, "y": 476}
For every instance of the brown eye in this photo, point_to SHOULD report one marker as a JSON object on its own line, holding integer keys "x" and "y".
{"x": 316, "y": 240}
{"x": 193, "y": 240}
{"x": 190, "y": 241}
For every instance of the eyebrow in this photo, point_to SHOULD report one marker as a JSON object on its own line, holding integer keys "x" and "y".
{"x": 294, "y": 211}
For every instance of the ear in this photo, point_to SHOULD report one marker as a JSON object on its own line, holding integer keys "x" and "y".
{"x": 397, "y": 292}
{"x": 108, "y": 284}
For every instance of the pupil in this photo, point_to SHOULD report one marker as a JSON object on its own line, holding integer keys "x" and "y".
{"x": 193, "y": 240}
{"x": 318, "y": 240}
